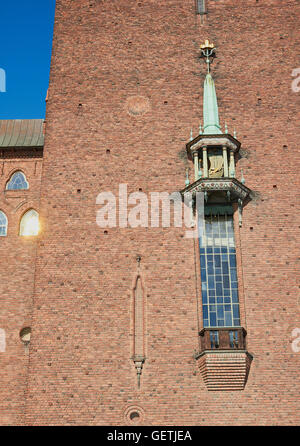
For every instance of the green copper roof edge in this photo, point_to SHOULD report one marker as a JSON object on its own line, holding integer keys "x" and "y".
{"x": 217, "y": 209}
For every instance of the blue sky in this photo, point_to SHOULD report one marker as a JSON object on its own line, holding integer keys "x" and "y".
{"x": 26, "y": 29}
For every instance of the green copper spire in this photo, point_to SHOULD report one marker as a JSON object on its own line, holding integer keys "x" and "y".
{"x": 211, "y": 125}
{"x": 210, "y": 108}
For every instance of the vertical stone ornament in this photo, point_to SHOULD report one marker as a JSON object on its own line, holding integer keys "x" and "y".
{"x": 231, "y": 165}
{"x": 205, "y": 163}
{"x": 196, "y": 165}
{"x": 225, "y": 161}
{"x": 138, "y": 327}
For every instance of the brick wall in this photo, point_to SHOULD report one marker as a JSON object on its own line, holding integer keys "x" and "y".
{"x": 18, "y": 255}
{"x": 125, "y": 90}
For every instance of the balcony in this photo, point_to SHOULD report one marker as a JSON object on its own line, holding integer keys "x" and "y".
{"x": 229, "y": 338}
{"x": 223, "y": 360}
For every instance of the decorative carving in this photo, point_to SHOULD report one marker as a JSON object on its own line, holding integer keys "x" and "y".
{"x": 208, "y": 52}
{"x": 223, "y": 140}
{"x": 235, "y": 187}
{"x": 138, "y": 362}
{"x": 216, "y": 163}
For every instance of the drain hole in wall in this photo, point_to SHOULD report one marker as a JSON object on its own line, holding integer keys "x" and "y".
{"x": 134, "y": 416}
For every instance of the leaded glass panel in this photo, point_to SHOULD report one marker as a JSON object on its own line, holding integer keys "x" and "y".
{"x": 220, "y": 300}
{"x": 17, "y": 182}
{"x": 3, "y": 224}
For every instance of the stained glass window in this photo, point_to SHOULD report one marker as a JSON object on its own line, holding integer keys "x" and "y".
{"x": 29, "y": 224}
{"x": 3, "y": 224}
{"x": 220, "y": 301}
{"x": 17, "y": 182}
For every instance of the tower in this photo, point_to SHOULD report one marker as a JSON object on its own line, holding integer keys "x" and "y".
{"x": 223, "y": 358}
{"x": 121, "y": 332}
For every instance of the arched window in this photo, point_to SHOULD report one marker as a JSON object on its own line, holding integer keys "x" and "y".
{"x": 17, "y": 181}
{"x": 3, "y": 224}
{"x": 29, "y": 224}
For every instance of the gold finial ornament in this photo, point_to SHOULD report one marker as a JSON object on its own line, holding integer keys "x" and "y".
{"x": 208, "y": 52}
{"x": 207, "y": 45}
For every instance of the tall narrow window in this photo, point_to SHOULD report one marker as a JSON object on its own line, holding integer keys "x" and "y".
{"x": 220, "y": 300}
{"x": 29, "y": 224}
{"x": 17, "y": 182}
{"x": 200, "y": 7}
{"x": 3, "y": 224}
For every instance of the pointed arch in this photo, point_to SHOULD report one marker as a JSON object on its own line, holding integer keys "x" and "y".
{"x": 139, "y": 318}
{"x": 29, "y": 224}
{"x": 17, "y": 181}
{"x": 138, "y": 325}
{"x": 3, "y": 224}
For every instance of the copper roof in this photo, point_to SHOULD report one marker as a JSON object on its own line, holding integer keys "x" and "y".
{"x": 21, "y": 133}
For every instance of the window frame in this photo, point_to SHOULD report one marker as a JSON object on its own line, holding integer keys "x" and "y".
{"x": 22, "y": 223}
{"x": 11, "y": 179}
{"x": 214, "y": 292}
{"x": 5, "y": 226}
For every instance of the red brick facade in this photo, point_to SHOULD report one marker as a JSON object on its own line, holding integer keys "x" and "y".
{"x": 126, "y": 87}
{"x": 17, "y": 279}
